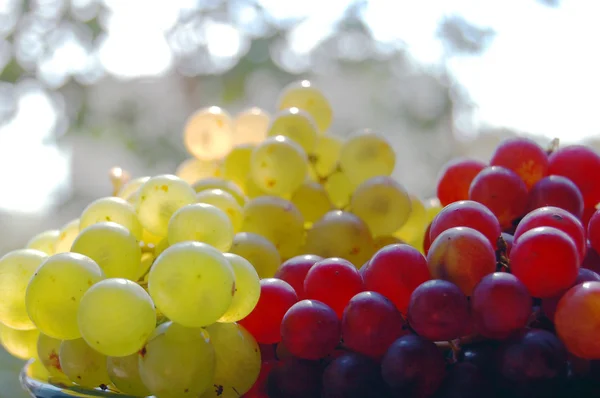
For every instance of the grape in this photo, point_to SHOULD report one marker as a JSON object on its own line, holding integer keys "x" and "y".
{"x": 591, "y": 260}
{"x": 509, "y": 240}
{"x": 339, "y": 188}
{"x": 192, "y": 170}
{"x": 220, "y": 183}
{"x": 295, "y": 378}
{"x": 352, "y": 375}
{"x": 578, "y": 163}
{"x": 192, "y": 283}
{"x": 481, "y": 354}
{"x": 395, "y": 271}
{"x": 455, "y": 179}
{"x": 112, "y": 209}
{"x": 130, "y": 190}
{"x": 225, "y": 202}
{"x": 68, "y": 233}
{"x": 48, "y": 349}
{"x": 247, "y": 289}
{"x": 545, "y": 260}
{"x": 55, "y": 290}
{"x": 261, "y": 253}
{"x": 237, "y": 360}
{"x": 462, "y": 256}
{"x": 44, "y": 241}
{"x": 312, "y": 201}
{"x": 208, "y": 133}
{"x": 124, "y": 373}
{"x": 151, "y": 239}
{"x": 340, "y": 234}
{"x": 82, "y": 364}
{"x": 177, "y": 361}
{"x": 464, "y": 380}
{"x": 236, "y": 165}
{"x": 414, "y": 227}
{"x": 557, "y": 218}
{"x": 260, "y": 387}
{"x": 264, "y": 322}
{"x": 531, "y": 364}
{"x": 278, "y": 220}
{"x": 278, "y": 165}
{"x": 250, "y": 126}
{"x": 294, "y": 270}
{"x": 365, "y": 155}
{"x": 467, "y": 213}
{"x": 201, "y": 222}
{"x": 297, "y": 125}
{"x": 383, "y": 241}
{"x": 523, "y": 156}
{"x": 556, "y": 191}
{"x": 333, "y": 281}
{"x": 502, "y": 191}
{"x": 16, "y": 269}
{"x": 438, "y": 310}
{"x": 160, "y": 197}
{"x": 413, "y": 366}
{"x": 19, "y": 343}
{"x": 370, "y": 324}
{"x": 382, "y": 203}
{"x": 549, "y": 305}
{"x": 593, "y": 231}
{"x": 112, "y": 247}
{"x": 326, "y": 154}
{"x": 310, "y": 330}
{"x": 304, "y": 95}
{"x": 500, "y": 305}
{"x": 427, "y": 240}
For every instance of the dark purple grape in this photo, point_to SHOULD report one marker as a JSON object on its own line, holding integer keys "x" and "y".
{"x": 481, "y": 354}
{"x": 464, "y": 380}
{"x": 353, "y": 375}
{"x": 591, "y": 259}
{"x": 295, "y": 378}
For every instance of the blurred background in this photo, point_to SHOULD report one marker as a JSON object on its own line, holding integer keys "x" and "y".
{"x": 89, "y": 84}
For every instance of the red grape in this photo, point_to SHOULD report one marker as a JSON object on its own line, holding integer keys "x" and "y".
{"x": 462, "y": 256}
{"x": 334, "y": 281}
{"x": 370, "y": 324}
{"x": 502, "y": 191}
{"x": 545, "y": 260}
{"x": 581, "y": 165}
{"x": 259, "y": 389}
{"x": 549, "y": 305}
{"x": 509, "y": 239}
{"x": 466, "y": 213}
{"x": 294, "y": 271}
{"x": 353, "y": 375}
{"x": 295, "y": 378}
{"x": 310, "y": 330}
{"x": 455, "y": 180}
{"x": 264, "y": 322}
{"x": 591, "y": 260}
{"x": 588, "y": 212}
{"x": 523, "y": 156}
{"x": 413, "y": 367}
{"x": 267, "y": 352}
{"x": 500, "y": 305}
{"x": 427, "y": 239}
{"x": 395, "y": 271}
{"x": 556, "y": 218}
{"x": 438, "y": 310}
{"x": 593, "y": 230}
{"x": 556, "y": 191}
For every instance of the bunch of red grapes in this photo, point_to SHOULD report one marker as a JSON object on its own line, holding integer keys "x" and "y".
{"x": 506, "y": 302}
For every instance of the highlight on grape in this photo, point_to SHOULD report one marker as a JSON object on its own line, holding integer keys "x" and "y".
{"x": 281, "y": 260}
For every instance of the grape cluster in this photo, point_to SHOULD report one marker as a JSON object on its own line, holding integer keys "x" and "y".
{"x": 283, "y": 261}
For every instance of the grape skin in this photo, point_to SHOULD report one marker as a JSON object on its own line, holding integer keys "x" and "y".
{"x": 250, "y": 126}
{"x": 125, "y": 375}
{"x": 365, "y": 155}
{"x": 306, "y": 96}
{"x": 68, "y": 233}
{"x": 297, "y": 125}
{"x": 225, "y": 202}
{"x": 48, "y": 349}
{"x": 208, "y": 133}
{"x": 455, "y": 179}
{"x": 201, "y": 222}
{"x": 523, "y": 156}
{"x": 19, "y": 343}
{"x": 236, "y": 165}
{"x": 82, "y": 364}
{"x": 44, "y": 241}
{"x": 247, "y": 289}
{"x": 294, "y": 271}
{"x": 112, "y": 209}
{"x": 557, "y": 191}
{"x": 223, "y": 184}
{"x": 261, "y": 253}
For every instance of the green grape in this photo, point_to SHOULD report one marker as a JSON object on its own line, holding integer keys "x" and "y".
{"x": 48, "y": 349}
{"x": 385, "y": 240}
{"x": 259, "y": 251}
{"x": 297, "y": 125}
{"x": 208, "y": 133}
{"x": 327, "y": 154}
{"x": 160, "y": 197}
{"x": 339, "y": 188}
{"x": 201, "y": 222}
{"x": 21, "y": 344}
{"x": 148, "y": 259}
{"x": 340, "y": 234}
{"x": 236, "y": 165}
{"x": 192, "y": 170}
{"x": 238, "y": 360}
{"x": 116, "y": 316}
{"x": 417, "y": 221}
{"x": 82, "y": 364}
{"x": 225, "y": 202}
{"x": 192, "y": 283}
{"x": 365, "y": 155}
{"x": 250, "y": 126}
{"x": 253, "y": 190}
{"x": 223, "y": 184}
{"x": 129, "y": 190}
{"x": 247, "y": 289}
{"x": 35, "y": 370}
{"x": 278, "y": 220}
{"x": 112, "y": 209}
{"x": 55, "y": 290}
{"x": 177, "y": 362}
{"x": 312, "y": 201}
{"x": 432, "y": 208}
{"x": 306, "y": 96}
{"x": 149, "y": 238}
{"x": 124, "y": 373}
{"x": 161, "y": 247}
{"x": 68, "y": 233}
{"x": 382, "y": 203}
{"x": 112, "y": 247}
{"x": 16, "y": 269}
{"x": 44, "y": 242}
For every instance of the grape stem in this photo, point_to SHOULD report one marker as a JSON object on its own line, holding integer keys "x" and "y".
{"x": 553, "y": 147}
{"x": 502, "y": 261}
